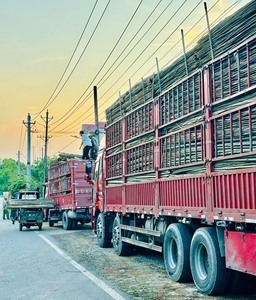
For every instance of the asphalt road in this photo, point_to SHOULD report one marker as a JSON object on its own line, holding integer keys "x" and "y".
{"x": 33, "y": 267}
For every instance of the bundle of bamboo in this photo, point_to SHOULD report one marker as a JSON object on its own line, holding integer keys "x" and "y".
{"x": 226, "y": 35}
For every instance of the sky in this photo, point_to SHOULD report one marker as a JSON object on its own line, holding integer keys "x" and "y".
{"x": 52, "y": 53}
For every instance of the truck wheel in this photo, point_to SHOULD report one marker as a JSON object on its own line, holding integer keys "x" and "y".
{"x": 103, "y": 236}
{"x": 51, "y": 223}
{"x": 20, "y": 227}
{"x": 40, "y": 227}
{"x": 177, "y": 242}
{"x": 207, "y": 266}
{"x": 66, "y": 221}
{"x": 121, "y": 248}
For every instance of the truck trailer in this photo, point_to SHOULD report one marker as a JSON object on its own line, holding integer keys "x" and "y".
{"x": 68, "y": 187}
{"x": 177, "y": 174}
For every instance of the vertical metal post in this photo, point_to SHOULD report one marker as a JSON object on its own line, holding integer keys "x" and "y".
{"x": 158, "y": 75}
{"x": 130, "y": 87}
{"x": 28, "y": 152}
{"x": 45, "y": 146}
{"x": 184, "y": 52}
{"x": 143, "y": 90}
{"x": 96, "y": 114}
{"x": 209, "y": 30}
{"x": 19, "y": 163}
{"x": 120, "y": 103}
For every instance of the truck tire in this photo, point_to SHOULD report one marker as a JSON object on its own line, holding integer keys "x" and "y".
{"x": 67, "y": 223}
{"x": 103, "y": 235}
{"x": 40, "y": 226}
{"x": 20, "y": 227}
{"x": 177, "y": 242}
{"x": 121, "y": 248}
{"x": 207, "y": 266}
{"x": 51, "y": 223}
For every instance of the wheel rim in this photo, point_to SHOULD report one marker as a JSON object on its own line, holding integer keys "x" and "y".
{"x": 173, "y": 254}
{"x": 99, "y": 230}
{"x": 116, "y": 236}
{"x": 202, "y": 261}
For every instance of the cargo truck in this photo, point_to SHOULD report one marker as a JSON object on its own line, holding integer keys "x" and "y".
{"x": 177, "y": 174}
{"x": 68, "y": 187}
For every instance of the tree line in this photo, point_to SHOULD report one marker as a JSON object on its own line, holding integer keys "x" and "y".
{"x": 11, "y": 181}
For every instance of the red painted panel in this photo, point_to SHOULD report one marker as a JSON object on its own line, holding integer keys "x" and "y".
{"x": 241, "y": 251}
{"x": 185, "y": 192}
{"x": 234, "y": 190}
{"x": 114, "y": 195}
{"x": 68, "y": 187}
{"x": 140, "y": 194}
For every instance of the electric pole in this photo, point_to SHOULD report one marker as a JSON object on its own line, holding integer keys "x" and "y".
{"x": 46, "y": 138}
{"x": 96, "y": 113}
{"x": 19, "y": 163}
{"x": 28, "y": 125}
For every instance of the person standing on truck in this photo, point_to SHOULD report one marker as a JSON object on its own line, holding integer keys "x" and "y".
{"x": 86, "y": 144}
{"x": 95, "y": 146}
{"x": 5, "y": 210}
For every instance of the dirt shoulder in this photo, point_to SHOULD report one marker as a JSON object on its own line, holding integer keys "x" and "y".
{"x": 142, "y": 276}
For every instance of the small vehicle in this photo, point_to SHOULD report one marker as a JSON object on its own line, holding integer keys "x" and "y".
{"x": 31, "y": 217}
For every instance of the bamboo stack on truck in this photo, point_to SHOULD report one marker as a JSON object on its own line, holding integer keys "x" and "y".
{"x": 68, "y": 187}
{"x": 177, "y": 174}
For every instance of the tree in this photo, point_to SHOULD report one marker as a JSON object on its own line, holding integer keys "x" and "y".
{"x": 8, "y": 173}
{"x": 10, "y": 181}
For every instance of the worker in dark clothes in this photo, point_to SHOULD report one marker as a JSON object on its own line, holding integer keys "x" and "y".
{"x": 86, "y": 144}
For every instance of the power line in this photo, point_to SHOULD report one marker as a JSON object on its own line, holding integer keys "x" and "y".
{"x": 106, "y": 60}
{"x": 50, "y": 100}
{"x": 136, "y": 59}
{"x": 83, "y": 53}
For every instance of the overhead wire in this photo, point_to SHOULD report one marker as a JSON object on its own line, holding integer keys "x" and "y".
{"x": 127, "y": 55}
{"x": 106, "y": 60}
{"x": 216, "y": 20}
{"x": 147, "y": 44}
{"x": 150, "y": 44}
{"x": 51, "y": 99}
{"x": 154, "y": 53}
{"x": 103, "y": 13}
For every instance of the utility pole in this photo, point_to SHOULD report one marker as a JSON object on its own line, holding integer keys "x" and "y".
{"x": 19, "y": 163}
{"x": 96, "y": 115}
{"x": 28, "y": 125}
{"x": 46, "y": 138}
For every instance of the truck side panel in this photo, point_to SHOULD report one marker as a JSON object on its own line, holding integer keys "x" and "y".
{"x": 191, "y": 152}
{"x": 240, "y": 251}
{"x": 68, "y": 187}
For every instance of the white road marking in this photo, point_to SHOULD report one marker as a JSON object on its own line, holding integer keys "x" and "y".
{"x": 86, "y": 273}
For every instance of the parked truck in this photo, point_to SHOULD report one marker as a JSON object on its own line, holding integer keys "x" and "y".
{"x": 28, "y": 209}
{"x": 177, "y": 174}
{"x": 68, "y": 187}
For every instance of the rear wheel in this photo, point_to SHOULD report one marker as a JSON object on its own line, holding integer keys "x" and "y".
{"x": 103, "y": 235}
{"x": 177, "y": 242}
{"x": 20, "y": 227}
{"x": 51, "y": 223}
{"x": 66, "y": 221}
{"x": 121, "y": 248}
{"x": 207, "y": 266}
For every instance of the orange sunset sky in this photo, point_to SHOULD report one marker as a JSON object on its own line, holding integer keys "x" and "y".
{"x": 54, "y": 52}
